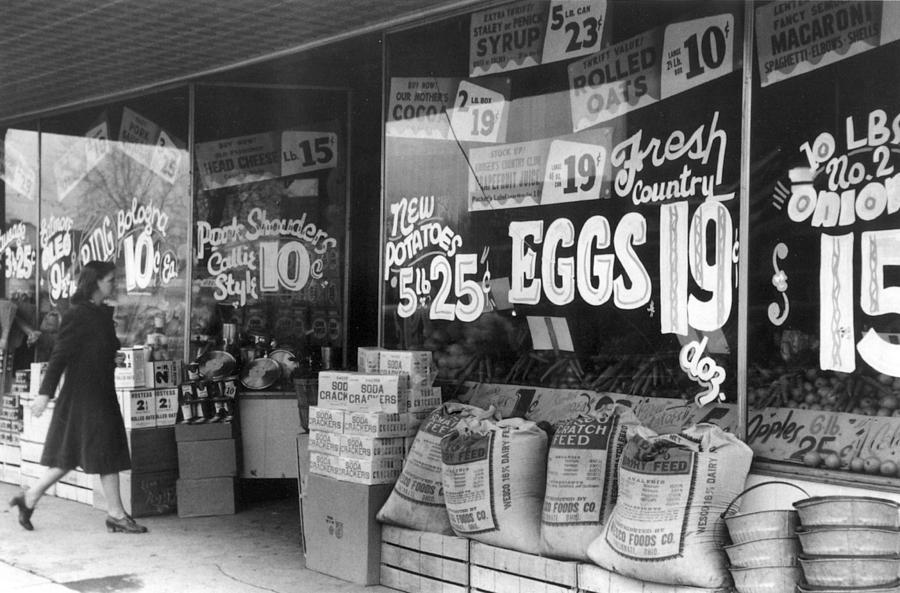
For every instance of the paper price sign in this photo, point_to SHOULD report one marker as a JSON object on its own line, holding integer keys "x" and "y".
{"x": 575, "y": 29}
{"x": 574, "y": 172}
{"x": 19, "y": 175}
{"x": 167, "y": 158}
{"x": 478, "y": 114}
{"x": 97, "y": 145}
{"x": 302, "y": 152}
{"x": 695, "y": 52}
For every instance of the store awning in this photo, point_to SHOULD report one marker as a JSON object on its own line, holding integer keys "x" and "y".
{"x": 56, "y": 54}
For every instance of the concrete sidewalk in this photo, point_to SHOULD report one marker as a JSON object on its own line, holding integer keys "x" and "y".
{"x": 70, "y": 550}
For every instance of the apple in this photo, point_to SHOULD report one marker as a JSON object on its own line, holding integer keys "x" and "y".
{"x": 858, "y": 465}
{"x": 888, "y": 468}
{"x": 891, "y": 402}
{"x": 812, "y": 459}
{"x": 832, "y": 461}
{"x": 872, "y": 465}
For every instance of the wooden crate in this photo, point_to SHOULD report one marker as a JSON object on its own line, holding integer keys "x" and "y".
{"x": 30, "y": 473}
{"x": 78, "y": 478}
{"x": 421, "y": 562}
{"x": 593, "y": 579}
{"x": 10, "y": 474}
{"x": 76, "y": 493}
{"x": 498, "y": 570}
{"x": 10, "y": 454}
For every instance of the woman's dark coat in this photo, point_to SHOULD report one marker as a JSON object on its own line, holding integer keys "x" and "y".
{"x": 86, "y": 430}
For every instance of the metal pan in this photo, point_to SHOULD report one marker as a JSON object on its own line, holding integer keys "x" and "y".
{"x": 261, "y": 373}
{"x": 287, "y": 361}
{"x": 216, "y": 364}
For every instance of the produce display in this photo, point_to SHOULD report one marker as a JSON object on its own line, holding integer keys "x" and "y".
{"x": 476, "y": 351}
{"x": 814, "y": 389}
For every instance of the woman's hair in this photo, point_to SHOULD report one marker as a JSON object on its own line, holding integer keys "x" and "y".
{"x": 91, "y": 273}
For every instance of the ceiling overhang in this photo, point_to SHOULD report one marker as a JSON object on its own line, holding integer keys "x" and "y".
{"x": 58, "y": 54}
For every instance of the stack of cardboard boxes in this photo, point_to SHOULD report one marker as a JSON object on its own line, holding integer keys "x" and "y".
{"x": 208, "y": 462}
{"x": 11, "y": 425}
{"x": 209, "y": 449}
{"x": 359, "y": 433}
{"x": 148, "y": 398}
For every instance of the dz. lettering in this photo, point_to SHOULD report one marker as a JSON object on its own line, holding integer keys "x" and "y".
{"x": 703, "y": 370}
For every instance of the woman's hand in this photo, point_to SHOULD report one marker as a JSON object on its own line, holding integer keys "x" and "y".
{"x": 39, "y": 405}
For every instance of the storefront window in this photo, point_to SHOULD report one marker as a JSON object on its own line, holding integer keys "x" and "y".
{"x": 18, "y": 312}
{"x": 824, "y": 345}
{"x": 114, "y": 187}
{"x": 270, "y": 238}
{"x": 561, "y": 198}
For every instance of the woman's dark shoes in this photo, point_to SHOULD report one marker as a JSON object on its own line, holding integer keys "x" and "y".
{"x": 24, "y": 511}
{"x": 124, "y": 525}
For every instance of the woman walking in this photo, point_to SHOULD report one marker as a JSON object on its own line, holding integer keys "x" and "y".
{"x": 86, "y": 430}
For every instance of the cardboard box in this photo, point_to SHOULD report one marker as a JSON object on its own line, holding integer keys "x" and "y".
{"x": 368, "y": 359}
{"x": 163, "y": 373}
{"x": 35, "y": 428}
{"x": 152, "y": 449}
{"x": 423, "y": 399}
{"x": 131, "y": 374}
{"x": 378, "y": 470}
{"x": 364, "y": 447}
{"x": 207, "y": 497}
{"x": 332, "y": 389}
{"x": 36, "y": 376}
{"x": 206, "y": 431}
{"x": 416, "y": 364}
{"x": 363, "y": 392}
{"x": 379, "y": 424}
{"x": 166, "y": 405}
{"x": 207, "y": 459}
{"x": 323, "y": 464}
{"x": 342, "y": 536}
{"x": 302, "y": 460}
{"x": 144, "y": 494}
{"x": 326, "y": 419}
{"x": 138, "y": 408}
{"x": 323, "y": 441}
{"x": 302, "y": 476}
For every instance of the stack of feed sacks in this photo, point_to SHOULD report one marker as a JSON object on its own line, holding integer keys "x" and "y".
{"x": 358, "y": 433}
